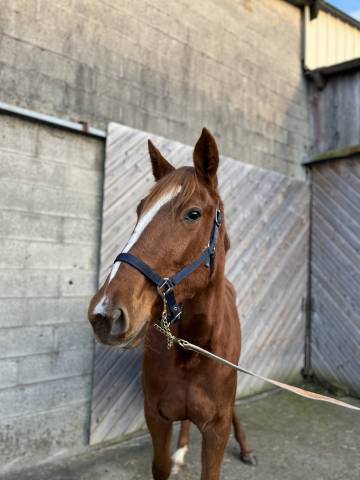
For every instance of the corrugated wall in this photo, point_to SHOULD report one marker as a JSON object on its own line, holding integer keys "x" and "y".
{"x": 267, "y": 218}
{"x": 329, "y": 40}
{"x": 335, "y": 279}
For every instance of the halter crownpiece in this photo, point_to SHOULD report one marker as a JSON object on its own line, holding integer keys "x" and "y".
{"x": 165, "y": 285}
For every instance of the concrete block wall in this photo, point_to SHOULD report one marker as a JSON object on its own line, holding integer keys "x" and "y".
{"x": 165, "y": 67}
{"x": 50, "y": 204}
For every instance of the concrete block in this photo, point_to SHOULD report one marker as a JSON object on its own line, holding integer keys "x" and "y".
{"x": 13, "y": 312}
{"x": 77, "y": 283}
{"x": 81, "y": 230}
{"x": 24, "y": 168}
{"x": 77, "y": 335}
{"x": 15, "y": 196}
{"x": 25, "y": 283}
{"x": 50, "y": 366}
{"x": 46, "y": 283}
{"x": 71, "y": 148}
{"x": 32, "y": 226}
{"x": 12, "y": 141}
{"x": 42, "y": 311}
{"x": 22, "y": 341}
{"x": 48, "y": 311}
{"x": 44, "y": 396}
{"x": 8, "y": 373}
{"x": 84, "y": 180}
{"x": 28, "y": 439}
{"x": 46, "y": 255}
{"x": 72, "y": 204}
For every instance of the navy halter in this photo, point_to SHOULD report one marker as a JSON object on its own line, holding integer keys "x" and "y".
{"x": 165, "y": 286}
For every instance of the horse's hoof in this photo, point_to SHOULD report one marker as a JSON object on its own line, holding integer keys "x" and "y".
{"x": 249, "y": 459}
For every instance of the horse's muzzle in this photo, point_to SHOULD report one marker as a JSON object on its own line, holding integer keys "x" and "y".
{"x": 110, "y": 325}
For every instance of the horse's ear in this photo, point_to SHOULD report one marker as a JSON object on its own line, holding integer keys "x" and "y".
{"x": 206, "y": 158}
{"x": 160, "y": 166}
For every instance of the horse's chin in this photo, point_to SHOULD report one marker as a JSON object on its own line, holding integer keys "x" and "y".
{"x": 125, "y": 343}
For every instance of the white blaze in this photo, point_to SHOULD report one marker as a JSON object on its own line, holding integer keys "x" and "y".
{"x": 100, "y": 307}
{"x": 143, "y": 223}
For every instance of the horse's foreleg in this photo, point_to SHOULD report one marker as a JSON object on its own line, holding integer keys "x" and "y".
{"x": 246, "y": 454}
{"x": 160, "y": 432}
{"x": 178, "y": 457}
{"x": 214, "y": 440}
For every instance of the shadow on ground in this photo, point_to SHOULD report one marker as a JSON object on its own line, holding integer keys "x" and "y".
{"x": 293, "y": 438}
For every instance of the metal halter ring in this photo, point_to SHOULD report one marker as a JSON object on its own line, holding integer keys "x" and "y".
{"x": 166, "y": 283}
{"x": 218, "y": 217}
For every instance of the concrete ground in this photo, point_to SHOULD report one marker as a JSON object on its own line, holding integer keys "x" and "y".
{"x": 293, "y": 438}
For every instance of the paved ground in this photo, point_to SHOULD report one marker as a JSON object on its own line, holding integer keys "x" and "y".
{"x": 293, "y": 438}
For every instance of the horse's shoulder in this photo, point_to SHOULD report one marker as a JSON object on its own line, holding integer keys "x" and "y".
{"x": 229, "y": 289}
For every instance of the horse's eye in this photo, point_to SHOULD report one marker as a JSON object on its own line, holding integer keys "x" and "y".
{"x": 193, "y": 215}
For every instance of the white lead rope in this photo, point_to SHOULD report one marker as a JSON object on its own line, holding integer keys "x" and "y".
{"x": 298, "y": 391}
{"x": 171, "y": 339}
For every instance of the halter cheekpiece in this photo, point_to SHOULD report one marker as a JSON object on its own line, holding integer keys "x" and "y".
{"x": 165, "y": 285}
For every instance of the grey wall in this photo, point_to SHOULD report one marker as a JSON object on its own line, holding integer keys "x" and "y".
{"x": 335, "y": 117}
{"x": 50, "y": 202}
{"x": 165, "y": 67}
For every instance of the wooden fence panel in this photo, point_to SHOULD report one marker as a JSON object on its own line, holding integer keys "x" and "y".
{"x": 335, "y": 266}
{"x": 267, "y": 219}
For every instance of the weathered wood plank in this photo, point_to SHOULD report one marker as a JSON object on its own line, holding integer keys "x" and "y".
{"x": 335, "y": 244}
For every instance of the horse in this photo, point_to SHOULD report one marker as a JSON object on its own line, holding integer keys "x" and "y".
{"x": 179, "y": 221}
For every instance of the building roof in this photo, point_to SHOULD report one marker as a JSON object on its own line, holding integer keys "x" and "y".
{"x": 316, "y": 5}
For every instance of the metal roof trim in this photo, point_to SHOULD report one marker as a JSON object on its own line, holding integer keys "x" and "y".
{"x": 337, "y": 154}
{"x": 337, "y": 68}
{"x": 315, "y": 5}
{"x": 79, "y": 127}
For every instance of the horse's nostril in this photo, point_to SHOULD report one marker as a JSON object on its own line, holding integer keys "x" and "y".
{"x": 118, "y": 322}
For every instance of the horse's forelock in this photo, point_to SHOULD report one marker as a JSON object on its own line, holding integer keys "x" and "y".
{"x": 182, "y": 180}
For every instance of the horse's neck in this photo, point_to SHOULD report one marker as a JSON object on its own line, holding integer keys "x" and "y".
{"x": 204, "y": 313}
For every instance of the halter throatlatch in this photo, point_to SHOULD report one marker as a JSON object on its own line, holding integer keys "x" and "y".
{"x": 165, "y": 285}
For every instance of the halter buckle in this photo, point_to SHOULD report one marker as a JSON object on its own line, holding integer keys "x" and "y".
{"x": 166, "y": 283}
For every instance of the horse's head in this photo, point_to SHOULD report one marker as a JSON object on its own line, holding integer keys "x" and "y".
{"x": 173, "y": 228}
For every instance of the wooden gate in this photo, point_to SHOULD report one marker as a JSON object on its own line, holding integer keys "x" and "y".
{"x": 267, "y": 218}
{"x": 335, "y": 267}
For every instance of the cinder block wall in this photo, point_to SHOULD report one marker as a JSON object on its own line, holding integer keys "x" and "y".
{"x": 50, "y": 202}
{"x": 165, "y": 67}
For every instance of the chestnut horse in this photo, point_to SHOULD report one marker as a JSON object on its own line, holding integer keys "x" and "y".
{"x": 175, "y": 226}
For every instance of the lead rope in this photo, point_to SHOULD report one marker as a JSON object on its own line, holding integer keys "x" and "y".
{"x": 164, "y": 328}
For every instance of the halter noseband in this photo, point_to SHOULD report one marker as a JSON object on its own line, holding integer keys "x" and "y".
{"x": 165, "y": 286}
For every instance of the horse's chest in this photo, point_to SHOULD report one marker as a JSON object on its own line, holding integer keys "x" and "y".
{"x": 186, "y": 397}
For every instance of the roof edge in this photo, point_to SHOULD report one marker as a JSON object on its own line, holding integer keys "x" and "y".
{"x": 332, "y": 70}
{"x": 316, "y": 5}
{"x": 333, "y": 155}
{"x": 327, "y": 7}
